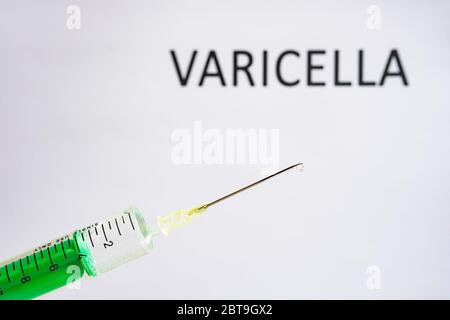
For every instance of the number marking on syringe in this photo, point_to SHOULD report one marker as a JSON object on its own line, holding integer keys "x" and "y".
{"x": 91, "y": 234}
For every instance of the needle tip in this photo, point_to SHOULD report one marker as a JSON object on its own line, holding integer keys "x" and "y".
{"x": 299, "y": 166}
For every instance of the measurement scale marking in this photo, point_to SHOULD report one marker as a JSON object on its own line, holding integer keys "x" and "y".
{"x": 76, "y": 242}
{"x": 21, "y": 267}
{"x": 104, "y": 233}
{"x": 117, "y": 225}
{"x": 7, "y": 273}
{"x": 35, "y": 261}
{"x": 50, "y": 255}
{"x": 90, "y": 238}
{"x": 129, "y": 216}
{"x": 64, "y": 251}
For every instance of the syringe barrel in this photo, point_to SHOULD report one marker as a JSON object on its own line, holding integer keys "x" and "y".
{"x": 94, "y": 249}
{"x": 114, "y": 241}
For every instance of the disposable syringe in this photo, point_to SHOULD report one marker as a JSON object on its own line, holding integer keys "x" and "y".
{"x": 93, "y": 250}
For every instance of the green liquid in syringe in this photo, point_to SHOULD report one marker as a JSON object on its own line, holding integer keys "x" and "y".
{"x": 91, "y": 251}
{"x": 41, "y": 271}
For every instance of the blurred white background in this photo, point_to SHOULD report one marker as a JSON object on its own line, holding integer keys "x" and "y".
{"x": 86, "y": 118}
